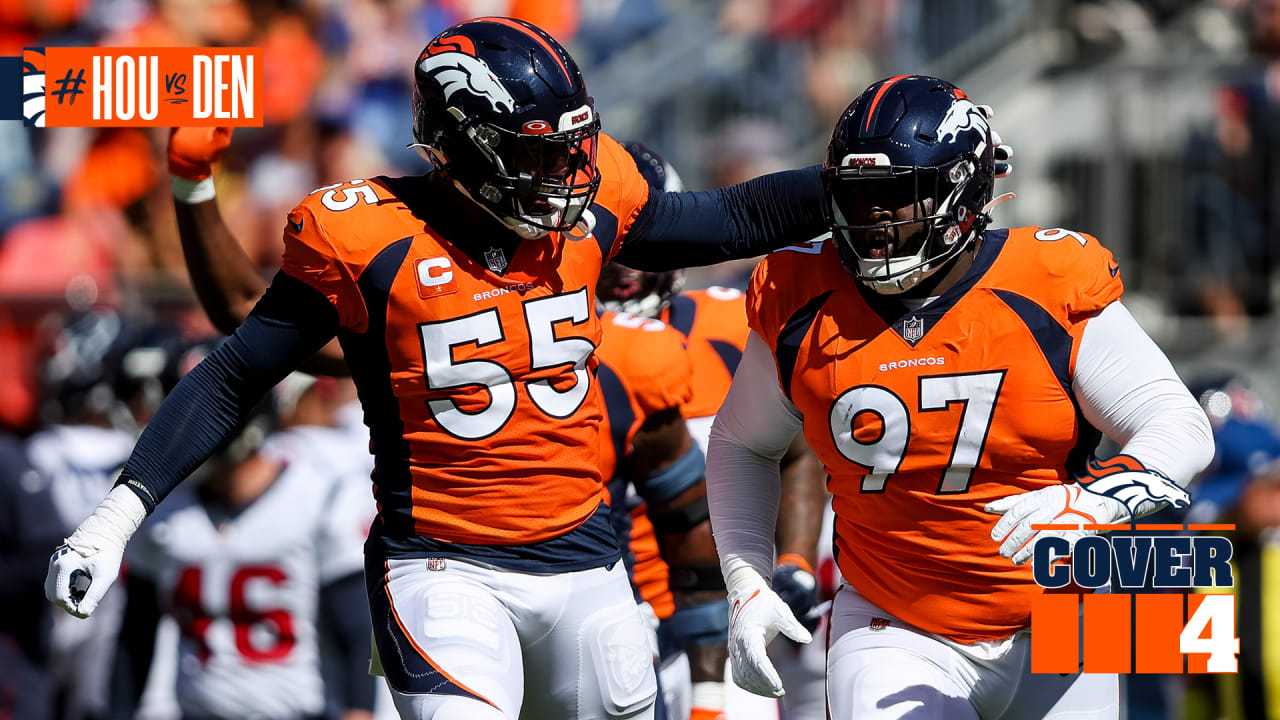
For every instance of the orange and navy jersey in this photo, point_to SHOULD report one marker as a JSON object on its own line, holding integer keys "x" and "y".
{"x": 715, "y": 321}
{"x": 922, "y": 417}
{"x": 644, "y": 369}
{"x": 479, "y": 388}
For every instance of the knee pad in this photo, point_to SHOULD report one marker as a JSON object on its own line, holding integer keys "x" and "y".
{"x": 617, "y": 643}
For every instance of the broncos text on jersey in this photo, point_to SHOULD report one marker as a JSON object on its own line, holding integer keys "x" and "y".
{"x": 921, "y": 417}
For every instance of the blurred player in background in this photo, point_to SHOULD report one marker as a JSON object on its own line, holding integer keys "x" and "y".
{"x": 252, "y": 562}
{"x": 1242, "y": 486}
{"x": 76, "y": 458}
{"x": 464, "y": 303}
{"x": 945, "y": 374}
{"x": 714, "y": 325}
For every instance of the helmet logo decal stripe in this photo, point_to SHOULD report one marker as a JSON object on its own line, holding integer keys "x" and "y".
{"x": 540, "y": 40}
{"x": 875, "y": 101}
{"x": 458, "y": 71}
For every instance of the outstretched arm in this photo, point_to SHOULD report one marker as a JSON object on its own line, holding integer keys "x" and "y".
{"x": 226, "y": 281}
{"x": 290, "y": 323}
{"x": 687, "y": 229}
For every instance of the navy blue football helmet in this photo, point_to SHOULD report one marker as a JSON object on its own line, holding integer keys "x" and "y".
{"x": 909, "y": 173}
{"x": 622, "y": 289}
{"x": 502, "y": 109}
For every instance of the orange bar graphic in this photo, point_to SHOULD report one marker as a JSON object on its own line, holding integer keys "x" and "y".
{"x": 1159, "y": 621}
{"x": 1106, "y": 634}
{"x": 1055, "y": 634}
{"x": 1215, "y": 527}
{"x": 153, "y": 86}
{"x": 1158, "y": 526}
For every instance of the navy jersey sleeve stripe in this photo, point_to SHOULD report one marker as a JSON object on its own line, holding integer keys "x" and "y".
{"x": 370, "y": 365}
{"x": 1053, "y": 339}
{"x": 792, "y": 334}
{"x": 606, "y": 230}
{"x": 682, "y": 311}
{"x": 729, "y": 354}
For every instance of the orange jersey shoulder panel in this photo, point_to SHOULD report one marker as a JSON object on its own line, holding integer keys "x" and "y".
{"x": 623, "y": 192}
{"x": 333, "y": 234}
{"x": 715, "y": 322}
{"x": 923, "y": 417}
{"x": 651, "y": 363}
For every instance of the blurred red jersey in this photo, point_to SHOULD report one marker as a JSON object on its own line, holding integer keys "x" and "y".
{"x": 922, "y": 417}
{"x": 479, "y": 387}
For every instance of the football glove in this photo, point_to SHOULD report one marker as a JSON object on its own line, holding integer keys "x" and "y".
{"x": 1114, "y": 491}
{"x": 1003, "y": 153}
{"x": 797, "y": 587}
{"x": 85, "y": 565}
{"x": 193, "y": 150}
{"x": 756, "y": 616}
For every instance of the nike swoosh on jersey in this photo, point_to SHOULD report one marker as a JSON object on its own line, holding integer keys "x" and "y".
{"x": 1114, "y": 269}
{"x": 297, "y": 227}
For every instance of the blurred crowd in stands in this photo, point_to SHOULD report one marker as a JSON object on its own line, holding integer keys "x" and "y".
{"x": 86, "y": 216}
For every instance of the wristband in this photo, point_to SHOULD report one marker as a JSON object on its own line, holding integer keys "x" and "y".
{"x": 796, "y": 560}
{"x": 190, "y": 192}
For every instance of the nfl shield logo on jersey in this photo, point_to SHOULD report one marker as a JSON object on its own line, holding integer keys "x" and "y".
{"x": 495, "y": 259}
{"x": 913, "y": 329}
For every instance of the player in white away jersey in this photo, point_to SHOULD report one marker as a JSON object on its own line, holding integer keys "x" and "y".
{"x": 249, "y": 563}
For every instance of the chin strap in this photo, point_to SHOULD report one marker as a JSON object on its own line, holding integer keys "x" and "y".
{"x": 986, "y": 209}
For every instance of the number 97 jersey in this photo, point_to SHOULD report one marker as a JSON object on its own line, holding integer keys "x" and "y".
{"x": 921, "y": 417}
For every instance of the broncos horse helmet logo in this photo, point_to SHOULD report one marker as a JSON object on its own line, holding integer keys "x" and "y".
{"x": 962, "y": 115}
{"x": 456, "y": 71}
{"x": 1127, "y": 480}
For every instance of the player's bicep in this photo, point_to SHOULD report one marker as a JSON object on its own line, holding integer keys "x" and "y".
{"x": 665, "y": 461}
{"x": 756, "y": 414}
{"x": 1127, "y": 388}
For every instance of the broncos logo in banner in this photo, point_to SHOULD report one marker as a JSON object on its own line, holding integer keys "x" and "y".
{"x": 33, "y": 87}
{"x": 962, "y": 116}
{"x": 450, "y": 64}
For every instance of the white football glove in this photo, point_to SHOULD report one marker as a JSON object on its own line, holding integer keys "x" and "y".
{"x": 85, "y": 565}
{"x": 756, "y": 616}
{"x": 1003, "y": 153}
{"x": 1095, "y": 500}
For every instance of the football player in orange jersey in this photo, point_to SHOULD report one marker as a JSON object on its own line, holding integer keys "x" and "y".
{"x": 714, "y": 321}
{"x": 950, "y": 378}
{"x": 464, "y": 304}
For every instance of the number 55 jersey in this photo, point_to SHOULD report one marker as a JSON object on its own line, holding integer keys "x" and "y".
{"x": 922, "y": 416}
{"x": 477, "y": 378}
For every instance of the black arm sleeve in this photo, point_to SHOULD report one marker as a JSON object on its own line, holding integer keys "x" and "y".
{"x": 344, "y": 608}
{"x": 289, "y": 323}
{"x": 677, "y": 230}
